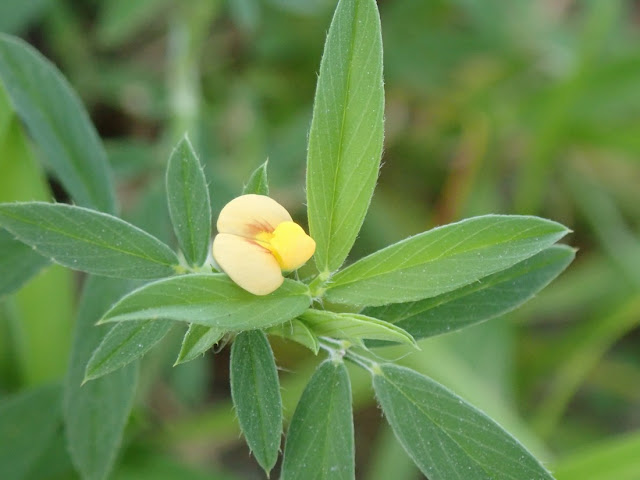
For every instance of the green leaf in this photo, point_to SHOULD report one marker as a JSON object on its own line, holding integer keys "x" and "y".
{"x": 345, "y": 141}
{"x": 58, "y": 123}
{"x": 445, "y": 436}
{"x": 189, "y": 205}
{"x": 320, "y": 438}
{"x": 610, "y": 458}
{"x": 211, "y": 300}
{"x": 125, "y": 343}
{"x": 298, "y": 332}
{"x": 18, "y": 263}
{"x": 442, "y": 259}
{"x": 96, "y": 413}
{"x": 28, "y": 423}
{"x": 255, "y": 391}
{"x": 88, "y": 240}
{"x": 197, "y": 341}
{"x": 258, "y": 182}
{"x": 485, "y": 299}
{"x": 354, "y": 327}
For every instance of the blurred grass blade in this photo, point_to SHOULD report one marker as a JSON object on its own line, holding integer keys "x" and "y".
{"x": 446, "y": 437}
{"x": 298, "y": 332}
{"x": 580, "y": 350}
{"x": 442, "y": 259}
{"x": 211, "y": 300}
{"x": 255, "y": 390}
{"x": 320, "y": 438}
{"x": 18, "y": 263}
{"x": 353, "y": 327}
{"x": 96, "y": 413}
{"x": 345, "y": 141}
{"x": 28, "y": 423}
{"x": 613, "y": 458}
{"x": 189, "y": 205}
{"x": 88, "y": 240}
{"x": 483, "y": 300}
{"x": 258, "y": 182}
{"x": 197, "y": 341}
{"x": 58, "y": 122}
{"x": 125, "y": 343}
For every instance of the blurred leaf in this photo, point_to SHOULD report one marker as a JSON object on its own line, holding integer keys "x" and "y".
{"x": 158, "y": 467}
{"x": 125, "y": 343}
{"x": 255, "y": 390}
{"x": 298, "y": 332}
{"x": 96, "y": 413}
{"x": 258, "y": 181}
{"x": 88, "y": 240}
{"x": 18, "y": 263}
{"x": 320, "y": 438}
{"x": 15, "y": 17}
{"x": 189, "y": 205}
{"x": 579, "y": 351}
{"x": 345, "y": 141}
{"x": 445, "y": 436}
{"x": 442, "y": 259}
{"x": 212, "y": 300}
{"x": 487, "y": 298}
{"x": 610, "y": 458}
{"x": 58, "y": 123}
{"x": 197, "y": 341}
{"x": 28, "y": 422}
{"x": 55, "y": 462}
{"x": 353, "y": 327}
{"x": 119, "y": 20}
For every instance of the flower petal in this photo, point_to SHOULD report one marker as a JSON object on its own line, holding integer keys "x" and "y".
{"x": 291, "y": 245}
{"x": 250, "y": 265}
{"x": 249, "y": 215}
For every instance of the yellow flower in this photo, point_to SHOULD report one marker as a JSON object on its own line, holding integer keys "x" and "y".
{"x": 257, "y": 240}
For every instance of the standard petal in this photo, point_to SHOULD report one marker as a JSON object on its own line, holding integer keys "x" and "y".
{"x": 250, "y": 265}
{"x": 249, "y": 215}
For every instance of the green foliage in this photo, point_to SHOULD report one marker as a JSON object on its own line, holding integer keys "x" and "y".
{"x": 96, "y": 413}
{"x": 298, "y": 332}
{"x": 197, "y": 341}
{"x": 58, "y": 123}
{"x": 255, "y": 390}
{"x": 28, "y": 422}
{"x": 442, "y": 259}
{"x": 189, "y": 205}
{"x": 353, "y": 327}
{"x": 88, "y": 240}
{"x": 445, "y": 436}
{"x": 320, "y": 438}
{"x": 345, "y": 141}
{"x": 18, "y": 261}
{"x": 211, "y": 300}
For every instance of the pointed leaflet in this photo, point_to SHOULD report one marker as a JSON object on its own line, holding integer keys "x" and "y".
{"x": 125, "y": 343}
{"x": 487, "y": 298}
{"x": 58, "y": 122}
{"x": 258, "y": 182}
{"x": 212, "y": 300}
{"x": 345, "y": 141}
{"x": 354, "y": 327}
{"x": 88, "y": 240}
{"x": 28, "y": 423}
{"x": 320, "y": 438}
{"x": 298, "y": 332}
{"x": 197, "y": 341}
{"x": 445, "y": 436}
{"x": 96, "y": 413}
{"x": 255, "y": 390}
{"x": 189, "y": 206}
{"x": 442, "y": 259}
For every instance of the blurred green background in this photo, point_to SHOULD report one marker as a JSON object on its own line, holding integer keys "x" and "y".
{"x": 519, "y": 107}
